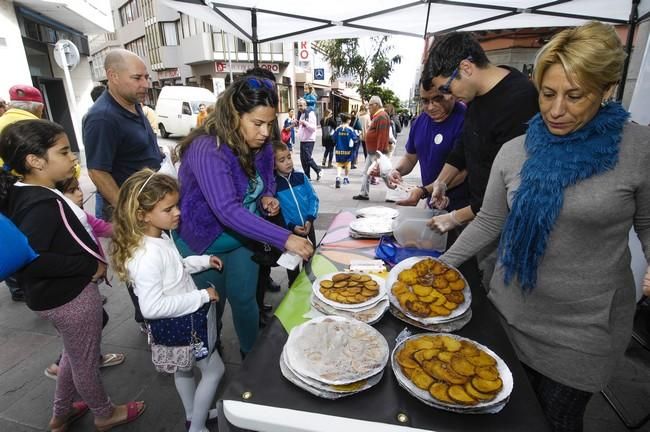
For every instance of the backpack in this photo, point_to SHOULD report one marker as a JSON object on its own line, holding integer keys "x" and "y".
{"x": 15, "y": 252}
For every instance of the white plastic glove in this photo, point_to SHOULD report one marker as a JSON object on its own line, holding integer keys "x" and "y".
{"x": 646, "y": 283}
{"x": 444, "y": 223}
{"x": 438, "y": 198}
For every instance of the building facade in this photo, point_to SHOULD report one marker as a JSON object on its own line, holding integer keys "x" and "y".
{"x": 29, "y": 30}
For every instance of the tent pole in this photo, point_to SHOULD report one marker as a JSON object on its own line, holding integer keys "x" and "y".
{"x": 426, "y": 24}
{"x": 254, "y": 39}
{"x": 634, "y": 15}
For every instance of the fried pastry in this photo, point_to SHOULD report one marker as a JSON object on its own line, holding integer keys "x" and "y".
{"x": 350, "y": 288}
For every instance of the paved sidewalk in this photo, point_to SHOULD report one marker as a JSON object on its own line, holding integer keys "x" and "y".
{"x": 29, "y": 344}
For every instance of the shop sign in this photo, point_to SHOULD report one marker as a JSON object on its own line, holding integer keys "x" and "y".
{"x": 169, "y": 74}
{"x": 237, "y": 67}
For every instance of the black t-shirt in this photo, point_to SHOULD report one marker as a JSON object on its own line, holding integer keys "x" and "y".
{"x": 490, "y": 121}
{"x": 118, "y": 141}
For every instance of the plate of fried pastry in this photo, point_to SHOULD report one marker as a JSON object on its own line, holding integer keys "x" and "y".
{"x": 333, "y": 356}
{"x": 428, "y": 291}
{"x": 349, "y": 290}
{"x": 452, "y": 373}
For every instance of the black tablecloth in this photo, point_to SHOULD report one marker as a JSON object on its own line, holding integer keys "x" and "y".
{"x": 260, "y": 375}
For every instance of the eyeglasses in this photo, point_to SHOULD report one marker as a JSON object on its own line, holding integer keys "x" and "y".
{"x": 446, "y": 87}
{"x": 259, "y": 82}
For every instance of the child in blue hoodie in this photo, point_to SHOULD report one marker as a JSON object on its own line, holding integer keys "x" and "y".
{"x": 344, "y": 138}
{"x": 298, "y": 200}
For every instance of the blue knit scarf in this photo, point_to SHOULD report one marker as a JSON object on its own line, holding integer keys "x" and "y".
{"x": 554, "y": 163}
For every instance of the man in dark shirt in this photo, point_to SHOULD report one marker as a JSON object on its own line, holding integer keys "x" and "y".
{"x": 500, "y": 101}
{"x": 118, "y": 138}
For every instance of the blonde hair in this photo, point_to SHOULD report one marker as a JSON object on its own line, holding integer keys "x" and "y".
{"x": 591, "y": 55}
{"x": 139, "y": 194}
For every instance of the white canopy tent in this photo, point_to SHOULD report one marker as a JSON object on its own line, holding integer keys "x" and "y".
{"x": 262, "y": 21}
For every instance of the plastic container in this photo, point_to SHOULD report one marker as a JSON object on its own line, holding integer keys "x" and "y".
{"x": 411, "y": 231}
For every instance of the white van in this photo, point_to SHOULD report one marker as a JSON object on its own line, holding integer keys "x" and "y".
{"x": 178, "y": 107}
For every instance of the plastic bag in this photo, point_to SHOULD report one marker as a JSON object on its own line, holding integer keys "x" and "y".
{"x": 15, "y": 252}
{"x": 391, "y": 253}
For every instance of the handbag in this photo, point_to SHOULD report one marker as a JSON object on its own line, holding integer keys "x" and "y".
{"x": 176, "y": 343}
{"x": 15, "y": 252}
{"x": 285, "y": 136}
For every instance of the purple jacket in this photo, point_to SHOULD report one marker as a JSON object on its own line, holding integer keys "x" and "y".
{"x": 213, "y": 185}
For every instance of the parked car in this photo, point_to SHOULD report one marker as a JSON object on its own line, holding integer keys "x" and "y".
{"x": 178, "y": 107}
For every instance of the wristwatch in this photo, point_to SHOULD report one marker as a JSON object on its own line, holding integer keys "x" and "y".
{"x": 425, "y": 191}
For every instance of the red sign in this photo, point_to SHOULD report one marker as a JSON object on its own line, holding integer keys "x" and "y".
{"x": 223, "y": 67}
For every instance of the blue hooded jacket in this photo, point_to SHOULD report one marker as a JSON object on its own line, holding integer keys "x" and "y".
{"x": 298, "y": 200}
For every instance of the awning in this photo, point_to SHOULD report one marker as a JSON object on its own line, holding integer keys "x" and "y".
{"x": 87, "y": 17}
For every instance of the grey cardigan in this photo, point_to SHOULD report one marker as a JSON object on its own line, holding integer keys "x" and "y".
{"x": 577, "y": 322}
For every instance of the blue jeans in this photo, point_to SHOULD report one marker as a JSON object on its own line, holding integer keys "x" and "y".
{"x": 236, "y": 283}
{"x": 563, "y": 406}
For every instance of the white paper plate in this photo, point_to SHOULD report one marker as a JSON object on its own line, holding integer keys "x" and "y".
{"x": 336, "y": 350}
{"x": 378, "y": 211}
{"x": 407, "y": 264}
{"x": 370, "y": 316}
{"x": 381, "y": 293}
{"x": 371, "y": 226}
{"x": 321, "y": 389}
{"x": 501, "y": 398}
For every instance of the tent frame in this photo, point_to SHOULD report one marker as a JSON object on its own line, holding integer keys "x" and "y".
{"x": 320, "y": 23}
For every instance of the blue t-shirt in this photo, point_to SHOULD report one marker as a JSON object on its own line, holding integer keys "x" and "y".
{"x": 118, "y": 141}
{"x": 344, "y": 138}
{"x": 432, "y": 142}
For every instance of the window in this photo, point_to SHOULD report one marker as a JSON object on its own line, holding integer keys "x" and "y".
{"x": 186, "y": 109}
{"x": 137, "y": 46}
{"x": 284, "y": 94}
{"x": 241, "y": 45}
{"x": 169, "y": 31}
{"x": 129, "y": 12}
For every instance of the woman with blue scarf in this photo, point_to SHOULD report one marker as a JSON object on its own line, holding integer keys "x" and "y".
{"x": 562, "y": 200}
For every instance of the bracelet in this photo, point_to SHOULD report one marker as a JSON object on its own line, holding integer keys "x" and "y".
{"x": 425, "y": 191}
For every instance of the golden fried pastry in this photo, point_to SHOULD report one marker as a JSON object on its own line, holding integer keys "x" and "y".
{"x": 326, "y": 284}
{"x": 451, "y": 344}
{"x": 469, "y": 388}
{"x": 439, "y": 268}
{"x": 339, "y": 277}
{"x": 364, "y": 278}
{"x": 461, "y": 366}
{"x": 404, "y": 359}
{"x": 485, "y": 386}
{"x": 409, "y": 277}
{"x": 458, "y": 285}
{"x": 455, "y": 297}
{"x": 421, "y": 379}
{"x": 419, "y": 308}
{"x": 468, "y": 349}
{"x": 451, "y": 275}
{"x": 482, "y": 359}
{"x": 341, "y": 284}
{"x": 489, "y": 373}
{"x": 450, "y": 305}
{"x": 439, "y": 391}
{"x": 438, "y": 310}
{"x": 405, "y": 298}
{"x": 426, "y": 280}
{"x": 445, "y": 356}
{"x": 421, "y": 290}
{"x": 424, "y": 355}
{"x": 440, "y": 282}
{"x": 355, "y": 277}
{"x": 458, "y": 394}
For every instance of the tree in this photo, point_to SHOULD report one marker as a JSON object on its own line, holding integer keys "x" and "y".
{"x": 386, "y": 95}
{"x": 345, "y": 58}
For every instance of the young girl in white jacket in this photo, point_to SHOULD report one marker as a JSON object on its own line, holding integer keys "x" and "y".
{"x": 145, "y": 255}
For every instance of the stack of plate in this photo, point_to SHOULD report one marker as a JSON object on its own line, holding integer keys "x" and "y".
{"x": 368, "y": 311}
{"x": 332, "y": 357}
{"x": 378, "y": 211}
{"x": 445, "y": 370}
{"x": 458, "y": 317}
{"x": 371, "y": 227}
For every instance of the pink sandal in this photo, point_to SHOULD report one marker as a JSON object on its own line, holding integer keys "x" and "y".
{"x": 79, "y": 409}
{"x": 132, "y": 413}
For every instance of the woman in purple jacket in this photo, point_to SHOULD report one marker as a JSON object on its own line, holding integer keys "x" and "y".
{"x": 227, "y": 184}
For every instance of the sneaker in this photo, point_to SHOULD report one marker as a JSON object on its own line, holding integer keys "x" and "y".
{"x": 360, "y": 197}
{"x": 318, "y": 175}
{"x": 374, "y": 181}
{"x": 52, "y": 371}
{"x": 338, "y": 183}
{"x": 346, "y": 180}
{"x": 353, "y": 167}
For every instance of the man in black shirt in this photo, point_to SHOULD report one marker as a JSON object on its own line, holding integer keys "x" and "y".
{"x": 500, "y": 101}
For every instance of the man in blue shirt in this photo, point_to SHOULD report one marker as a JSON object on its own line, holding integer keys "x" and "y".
{"x": 431, "y": 138}
{"x": 118, "y": 138}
